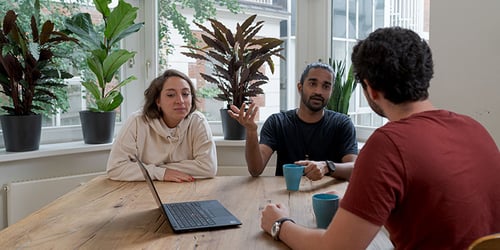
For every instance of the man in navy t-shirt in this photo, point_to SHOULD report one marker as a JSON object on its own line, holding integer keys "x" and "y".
{"x": 322, "y": 140}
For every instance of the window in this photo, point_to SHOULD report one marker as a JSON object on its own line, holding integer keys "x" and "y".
{"x": 269, "y": 102}
{"x": 350, "y": 20}
{"x": 356, "y": 19}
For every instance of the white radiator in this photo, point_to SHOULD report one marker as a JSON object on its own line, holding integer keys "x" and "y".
{"x": 25, "y": 197}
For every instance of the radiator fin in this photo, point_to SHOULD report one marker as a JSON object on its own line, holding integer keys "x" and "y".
{"x": 25, "y": 197}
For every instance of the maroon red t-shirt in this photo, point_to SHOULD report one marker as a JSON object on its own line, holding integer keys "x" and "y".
{"x": 432, "y": 179}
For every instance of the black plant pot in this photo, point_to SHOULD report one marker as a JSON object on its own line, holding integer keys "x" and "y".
{"x": 21, "y": 132}
{"x": 231, "y": 128}
{"x": 97, "y": 127}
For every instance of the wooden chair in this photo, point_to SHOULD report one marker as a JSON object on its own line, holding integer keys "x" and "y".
{"x": 488, "y": 242}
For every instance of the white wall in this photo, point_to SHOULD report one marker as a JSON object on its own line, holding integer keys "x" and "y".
{"x": 47, "y": 163}
{"x": 313, "y": 34}
{"x": 465, "y": 41}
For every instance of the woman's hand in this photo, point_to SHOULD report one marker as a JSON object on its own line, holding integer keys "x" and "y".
{"x": 177, "y": 176}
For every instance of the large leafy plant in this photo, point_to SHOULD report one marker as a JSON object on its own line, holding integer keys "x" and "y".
{"x": 343, "y": 87}
{"x": 28, "y": 75}
{"x": 236, "y": 58}
{"x": 104, "y": 57}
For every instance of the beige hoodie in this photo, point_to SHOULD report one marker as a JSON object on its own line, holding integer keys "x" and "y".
{"x": 188, "y": 148}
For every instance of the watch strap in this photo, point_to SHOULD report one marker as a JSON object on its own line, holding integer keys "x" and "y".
{"x": 331, "y": 167}
{"x": 278, "y": 223}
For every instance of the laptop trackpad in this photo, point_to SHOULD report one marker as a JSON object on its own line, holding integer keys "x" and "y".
{"x": 214, "y": 209}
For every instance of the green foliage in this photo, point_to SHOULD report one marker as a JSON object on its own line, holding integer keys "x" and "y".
{"x": 236, "y": 59}
{"x": 343, "y": 87}
{"x": 203, "y": 9}
{"x": 62, "y": 59}
{"x": 104, "y": 57}
{"x": 208, "y": 91}
{"x": 29, "y": 75}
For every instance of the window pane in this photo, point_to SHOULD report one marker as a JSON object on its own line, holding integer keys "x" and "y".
{"x": 378, "y": 121}
{"x": 352, "y": 19}
{"x": 283, "y": 28}
{"x": 339, "y": 50}
{"x": 339, "y": 18}
{"x": 365, "y": 18}
{"x": 364, "y": 119}
{"x": 379, "y": 14}
{"x": 293, "y": 17}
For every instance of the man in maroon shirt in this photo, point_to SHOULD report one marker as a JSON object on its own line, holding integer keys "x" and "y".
{"x": 429, "y": 175}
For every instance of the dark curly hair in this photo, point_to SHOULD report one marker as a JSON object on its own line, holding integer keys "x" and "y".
{"x": 395, "y": 61}
{"x": 152, "y": 93}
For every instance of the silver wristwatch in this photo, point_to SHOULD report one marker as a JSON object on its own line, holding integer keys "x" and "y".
{"x": 275, "y": 230}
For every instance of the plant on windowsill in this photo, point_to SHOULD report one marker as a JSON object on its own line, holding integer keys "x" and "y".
{"x": 236, "y": 60}
{"x": 104, "y": 59}
{"x": 343, "y": 87}
{"x": 29, "y": 78}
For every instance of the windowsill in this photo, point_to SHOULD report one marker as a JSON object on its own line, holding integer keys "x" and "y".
{"x": 55, "y": 149}
{"x": 75, "y": 147}
{"x": 219, "y": 141}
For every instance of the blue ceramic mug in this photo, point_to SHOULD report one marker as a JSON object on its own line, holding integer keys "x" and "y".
{"x": 293, "y": 173}
{"x": 325, "y": 206}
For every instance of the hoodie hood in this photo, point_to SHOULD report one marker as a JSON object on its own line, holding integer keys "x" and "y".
{"x": 172, "y": 135}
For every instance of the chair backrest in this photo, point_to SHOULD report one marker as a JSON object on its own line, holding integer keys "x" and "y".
{"x": 488, "y": 242}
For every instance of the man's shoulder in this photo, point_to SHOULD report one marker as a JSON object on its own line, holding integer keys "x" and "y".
{"x": 335, "y": 116}
{"x": 331, "y": 113}
{"x": 282, "y": 115}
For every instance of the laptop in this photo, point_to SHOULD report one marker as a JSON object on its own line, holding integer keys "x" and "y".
{"x": 189, "y": 216}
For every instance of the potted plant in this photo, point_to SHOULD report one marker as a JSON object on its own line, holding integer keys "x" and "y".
{"x": 343, "y": 87}
{"x": 28, "y": 77}
{"x": 104, "y": 59}
{"x": 236, "y": 60}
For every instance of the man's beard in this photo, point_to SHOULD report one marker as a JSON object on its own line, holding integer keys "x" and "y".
{"x": 374, "y": 106}
{"x": 308, "y": 103}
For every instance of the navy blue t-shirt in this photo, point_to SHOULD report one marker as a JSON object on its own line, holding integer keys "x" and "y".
{"x": 331, "y": 138}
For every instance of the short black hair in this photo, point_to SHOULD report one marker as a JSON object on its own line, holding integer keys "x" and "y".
{"x": 395, "y": 61}
{"x": 316, "y": 65}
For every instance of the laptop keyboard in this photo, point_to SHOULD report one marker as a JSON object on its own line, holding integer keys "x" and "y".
{"x": 190, "y": 214}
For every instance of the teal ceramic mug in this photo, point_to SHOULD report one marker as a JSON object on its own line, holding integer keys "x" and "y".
{"x": 293, "y": 173}
{"x": 325, "y": 206}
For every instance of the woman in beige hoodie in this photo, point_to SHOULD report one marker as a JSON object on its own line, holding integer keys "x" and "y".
{"x": 172, "y": 139}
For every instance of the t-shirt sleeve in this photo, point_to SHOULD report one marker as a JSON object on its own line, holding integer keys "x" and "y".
{"x": 376, "y": 184}
{"x": 348, "y": 135}
{"x": 268, "y": 133}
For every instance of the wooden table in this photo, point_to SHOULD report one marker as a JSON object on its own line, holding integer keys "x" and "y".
{"x": 106, "y": 214}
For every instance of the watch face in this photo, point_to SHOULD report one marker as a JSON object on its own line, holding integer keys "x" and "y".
{"x": 275, "y": 229}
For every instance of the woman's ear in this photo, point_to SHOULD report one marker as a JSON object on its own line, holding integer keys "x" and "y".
{"x": 157, "y": 102}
